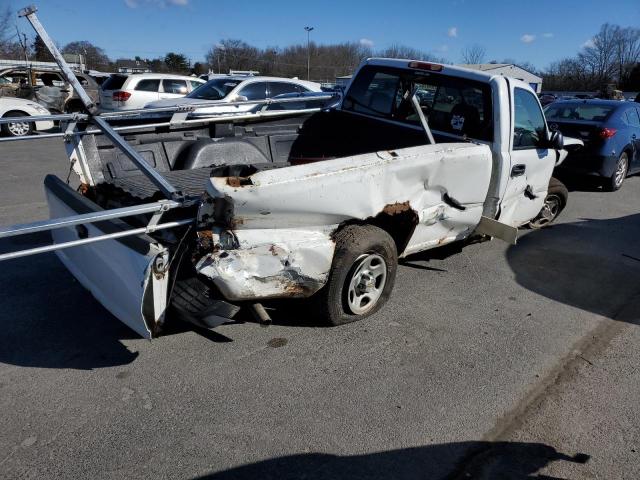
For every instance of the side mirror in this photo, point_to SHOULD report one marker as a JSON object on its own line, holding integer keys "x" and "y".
{"x": 556, "y": 140}
{"x": 240, "y": 98}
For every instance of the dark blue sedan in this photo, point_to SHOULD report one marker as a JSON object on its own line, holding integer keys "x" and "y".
{"x": 611, "y": 133}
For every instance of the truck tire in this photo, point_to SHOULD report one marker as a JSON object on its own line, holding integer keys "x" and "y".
{"x": 17, "y": 129}
{"x": 362, "y": 275}
{"x": 614, "y": 182}
{"x": 554, "y": 203}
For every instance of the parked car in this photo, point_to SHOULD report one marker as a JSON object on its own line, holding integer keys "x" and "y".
{"x": 130, "y": 92}
{"x": 610, "y": 130}
{"x": 318, "y": 205}
{"x": 223, "y": 92}
{"x": 547, "y": 98}
{"x": 19, "y": 107}
{"x": 46, "y": 87}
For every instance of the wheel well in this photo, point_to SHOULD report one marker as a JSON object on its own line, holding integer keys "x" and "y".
{"x": 10, "y": 113}
{"x": 399, "y": 220}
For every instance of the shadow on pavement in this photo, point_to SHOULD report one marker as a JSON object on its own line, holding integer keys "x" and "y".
{"x": 486, "y": 460}
{"x": 49, "y": 320}
{"x": 593, "y": 265}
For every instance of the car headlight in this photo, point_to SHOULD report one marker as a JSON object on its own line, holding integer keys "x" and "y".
{"x": 39, "y": 108}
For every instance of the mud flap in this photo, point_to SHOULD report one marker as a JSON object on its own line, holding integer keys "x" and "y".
{"x": 126, "y": 275}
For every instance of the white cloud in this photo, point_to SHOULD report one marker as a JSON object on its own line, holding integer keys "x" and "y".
{"x": 547, "y": 35}
{"x": 527, "y": 38}
{"x": 442, "y": 49}
{"x": 452, "y": 32}
{"x": 365, "y": 42}
{"x": 588, "y": 44}
{"x": 155, "y": 3}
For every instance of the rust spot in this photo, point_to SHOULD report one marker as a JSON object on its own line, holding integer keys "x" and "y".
{"x": 396, "y": 208}
{"x": 273, "y": 251}
{"x": 235, "y": 222}
{"x": 237, "y": 182}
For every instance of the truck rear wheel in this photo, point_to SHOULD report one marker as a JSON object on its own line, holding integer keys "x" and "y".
{"x": 362, "y": 275}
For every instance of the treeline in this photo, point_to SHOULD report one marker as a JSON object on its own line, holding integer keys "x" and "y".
{"x": 611, "y": 56}
{"x": 326, "y": 61}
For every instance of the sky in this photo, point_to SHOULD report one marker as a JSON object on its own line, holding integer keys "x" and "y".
{"x": 539, "y": 32}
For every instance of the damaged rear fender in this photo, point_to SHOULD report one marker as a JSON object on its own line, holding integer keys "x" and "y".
{"x": 270, "y": 263}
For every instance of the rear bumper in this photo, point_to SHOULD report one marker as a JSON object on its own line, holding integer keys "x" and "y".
{"x": 118, "y": 272}
{"x": 585, "y": 163}
{"x": 44, "y": 125}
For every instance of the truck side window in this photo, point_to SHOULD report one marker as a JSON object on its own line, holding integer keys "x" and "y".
{"x": 373, "y": 93}
{"x": 529, "y": 127}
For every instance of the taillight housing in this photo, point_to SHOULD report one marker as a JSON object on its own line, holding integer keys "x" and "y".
{"x": 607, "y": 133}
{"x": 121, "y": 96}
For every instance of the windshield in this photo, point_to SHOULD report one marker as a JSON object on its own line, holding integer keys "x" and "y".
{"x": 578, "y": 111}
{"x": 215, "y": 89}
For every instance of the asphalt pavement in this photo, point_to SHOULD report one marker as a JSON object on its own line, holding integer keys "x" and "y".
{"x": 492, "y": 362}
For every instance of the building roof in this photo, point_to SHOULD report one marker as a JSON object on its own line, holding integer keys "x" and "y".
{"x": 509, "y": 69}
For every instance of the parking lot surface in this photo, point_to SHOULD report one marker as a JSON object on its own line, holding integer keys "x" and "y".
{"x": 494, "y": 362}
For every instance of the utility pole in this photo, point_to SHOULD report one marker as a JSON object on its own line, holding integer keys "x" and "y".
{"x": 308, "y": 30}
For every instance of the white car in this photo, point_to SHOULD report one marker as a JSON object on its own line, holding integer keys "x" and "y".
{"x": 222, "y": 92}
{"x": 20, "y": 107}
{"x": 130, "y": 92}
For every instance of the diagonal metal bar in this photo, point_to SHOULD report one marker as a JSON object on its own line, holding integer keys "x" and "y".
{"x": 30, "y": 14}
{"x": 158, "y": 180}
{"x": 151, "y": 173}
{"x": 423, "y": 121}
{"x": 84, "y": 218}
{"x": 84, "y": 241}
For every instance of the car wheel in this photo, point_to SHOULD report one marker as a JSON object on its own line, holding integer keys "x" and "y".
{"x": 554, "y": 203}
{"x": 614, "y": 182}
{"x": 362, "y": 275}
{"x": 17, "y": 129}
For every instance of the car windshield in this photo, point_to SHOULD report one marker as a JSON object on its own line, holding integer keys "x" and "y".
{"x": 578, "y": 111}
{"x": 215, "y": 89}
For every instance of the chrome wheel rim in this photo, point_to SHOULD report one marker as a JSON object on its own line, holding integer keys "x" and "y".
{"x": 367, "y": 283}
{"x": 550, "y": 210}
{"x": 621, "y": 171}
{"x": 18, "y": 129}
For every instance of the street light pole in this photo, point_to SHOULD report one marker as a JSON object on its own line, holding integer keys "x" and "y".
{"x": 308, "y": 30}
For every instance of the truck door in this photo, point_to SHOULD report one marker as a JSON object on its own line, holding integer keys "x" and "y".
{"x": 531, "y": 160}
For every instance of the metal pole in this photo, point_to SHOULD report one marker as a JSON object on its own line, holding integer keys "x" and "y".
{"x": 308, "y": 29}
{"x": 84, "y": 241}
{"x": 152, "y": 174}
{"x": 30, "y": 14}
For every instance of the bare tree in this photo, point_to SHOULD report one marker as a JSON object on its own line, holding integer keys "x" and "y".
{"x": 94, "y": 57}
{"x": 474, "y": 54}
{"x": 627, "y": 52}
{"x": 600, "y": 55}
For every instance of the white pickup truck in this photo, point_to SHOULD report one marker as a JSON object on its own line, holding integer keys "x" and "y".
{"x": 321, "y": 205}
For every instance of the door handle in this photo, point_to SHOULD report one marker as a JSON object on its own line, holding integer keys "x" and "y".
{"x": 518, "y": 170}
